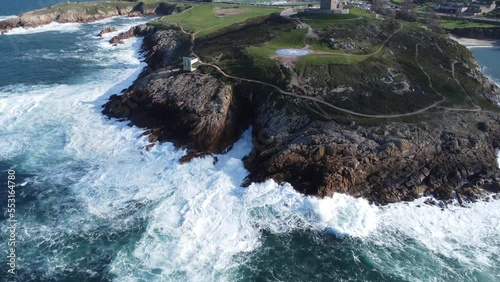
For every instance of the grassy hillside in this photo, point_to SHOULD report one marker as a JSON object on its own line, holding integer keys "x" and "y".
{"x": 362, "y": 64}
{"x": 89, "y": 8}
{"x": 203, "y": 19}
{"x": 357, "y": 62}
{"x": 457, "y": 23}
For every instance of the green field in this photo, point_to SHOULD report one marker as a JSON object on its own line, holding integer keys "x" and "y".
{"x": 331, "y": 59}
{"x": 320, "y": 21}
{"x": 203, "y": 19}
{"x": 294, "y": 39}
{"x": 452, "y": 24}
{"x": 289, "y": 39}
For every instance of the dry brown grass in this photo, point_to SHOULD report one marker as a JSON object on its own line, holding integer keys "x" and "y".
{"x": 221, "y": 12}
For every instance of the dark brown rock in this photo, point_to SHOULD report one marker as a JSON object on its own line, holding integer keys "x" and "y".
{"x": 81, "y": 15}
{"x": 107, "y": 30}
{"x": 386, "y": 163}
{"x": 381, "y": 168}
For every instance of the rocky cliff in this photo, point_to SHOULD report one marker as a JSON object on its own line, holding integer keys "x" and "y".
{"x": 386, "y": 163}
{"x": 477, "y": 33}
{"x": 195, "y": 110}
{"x": 86, "y": 12}
{"x": 449, "y": 154}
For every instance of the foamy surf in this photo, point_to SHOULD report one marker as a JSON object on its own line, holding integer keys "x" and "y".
{"x": 470, "y": 236}
{"x": 57, "y": 27}
{"x": 74, "y": 27}
{"x": 3, "y": 18}
{"x": 199, "y": 206}
{"x": 97, "y": 204}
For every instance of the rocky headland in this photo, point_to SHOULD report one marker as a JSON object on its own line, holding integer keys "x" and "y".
{"x": 448, "y": 152}
{"x": 491, "y": 33}
{"x": 87, "y": 12}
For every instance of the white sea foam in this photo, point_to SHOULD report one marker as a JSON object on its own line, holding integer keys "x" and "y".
{"x": 195, "y": 208}
{"x": 3, "y": 18}
{"x": 469, "y": 235}
{"x": 198, "y": 218}
{"x": 75, "y": 27}
{"x": 58, "y": 27}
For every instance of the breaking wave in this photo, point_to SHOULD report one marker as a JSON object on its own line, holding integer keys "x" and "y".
{"x": 96, "y": 204}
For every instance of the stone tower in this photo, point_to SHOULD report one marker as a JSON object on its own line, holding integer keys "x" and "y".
{"x": 328, "y": 4}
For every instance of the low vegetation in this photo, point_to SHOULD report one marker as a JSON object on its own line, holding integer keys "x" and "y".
{"x": 89, "y": 8}
{"x": 464, "y": 23}
{"x": 203, "y": 19}
{"x": 374, "y": 70}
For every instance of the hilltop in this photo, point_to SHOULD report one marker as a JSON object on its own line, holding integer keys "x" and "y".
{"x": 83, "y": 12}
{"x": 380, "y": 108}
{"x": 376, "y": 108}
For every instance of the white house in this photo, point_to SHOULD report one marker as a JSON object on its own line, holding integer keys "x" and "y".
{"x": 188, "y": 63}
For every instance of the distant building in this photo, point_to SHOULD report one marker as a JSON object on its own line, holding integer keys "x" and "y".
{"x": 328, "y": 4}
{"x": 449, "y": 8}
{"x": 476, "y": 8}
{"x": 328, "y": 7}
{"x": 188, "y": 63}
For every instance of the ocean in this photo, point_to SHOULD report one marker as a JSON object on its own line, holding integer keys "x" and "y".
{"x": 92, "y": 204}
{"x": 488, "y": 58}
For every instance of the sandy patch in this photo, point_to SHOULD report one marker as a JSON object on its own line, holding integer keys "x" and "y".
{"x": 471, "y": 42}
{"x": 229, "y": 11}
{"x": 286, "y": 61}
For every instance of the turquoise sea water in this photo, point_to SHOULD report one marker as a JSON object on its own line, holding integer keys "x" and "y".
{"x": 8, "y": 8}
{"x": 489, "y": 59}
{"x": 94, "y": 205}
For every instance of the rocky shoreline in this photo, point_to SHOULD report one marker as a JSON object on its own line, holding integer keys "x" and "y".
{"x": 86, "y": 12}
{"x": 451, "y": 156}
{"x": 488, "y": 33}
{"x": 472, "y": 42}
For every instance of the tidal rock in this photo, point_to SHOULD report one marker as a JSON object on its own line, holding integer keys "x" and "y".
{"x": 387, "y": 163}
{"x": 107, "y": 30}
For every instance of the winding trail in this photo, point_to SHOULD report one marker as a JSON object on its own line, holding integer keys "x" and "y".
{"x": 401, "y": 26}
{"x": 317, "y": 101}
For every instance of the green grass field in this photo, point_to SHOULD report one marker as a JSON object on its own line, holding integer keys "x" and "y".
{"x": 294, "y": 39}
{"x": 339, "y": 59}
{"x": 320, "y": 21}
{"x": 452, "y": 24}
{"x": 289, "y": 39}
{"x": 201, "y": 19}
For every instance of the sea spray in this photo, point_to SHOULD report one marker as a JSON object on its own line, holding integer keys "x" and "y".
{"x": 96, "y": 204}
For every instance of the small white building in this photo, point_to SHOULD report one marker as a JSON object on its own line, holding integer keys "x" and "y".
{"x": 188, "y": 63}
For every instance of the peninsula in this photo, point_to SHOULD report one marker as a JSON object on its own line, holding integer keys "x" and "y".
{"x": 374, "y": 107}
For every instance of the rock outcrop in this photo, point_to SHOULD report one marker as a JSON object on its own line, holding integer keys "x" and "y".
{"x": 477, "y": 33}
{"x": 450, "y": 155}
{"x": 140, "y": 30}
{"x": 107, "y": 30}
{"x": 385, "y": 164}
{"x": 194, "y": 110}
{"x": 86, "y": 12}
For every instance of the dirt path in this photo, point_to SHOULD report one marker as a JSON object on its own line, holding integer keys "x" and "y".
{"x": 476, "y": 107}
{"x": 461, "y": 86}
{"x": 401, "y": 26}
{"x": 317, "y": 101}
